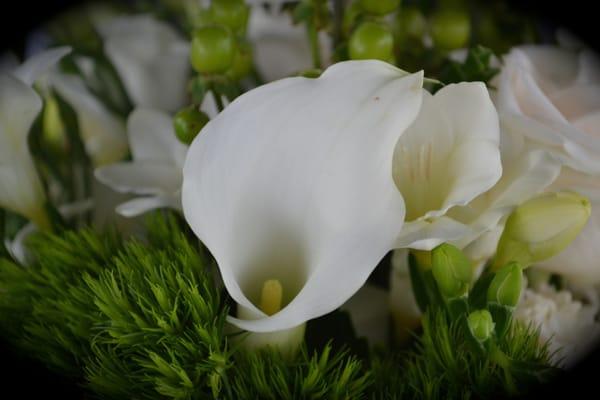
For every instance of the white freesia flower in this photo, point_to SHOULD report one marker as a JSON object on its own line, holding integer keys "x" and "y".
{"x": 21, "y": 189}
{"x": 157, "y": 166}
{"x": 551, "y": 96}
{"x": 446, "y": 158}
{"x": 292, "y": 183}
{"x": 102, "y": 132}
{"x": 156, "y": 169}
{"x": 151, "y": 59}
{"x": 569, "y": 324}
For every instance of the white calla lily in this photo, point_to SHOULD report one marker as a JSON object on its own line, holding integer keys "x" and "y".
{"x": 446, "y": 158}
{"x": 292, "y": 182}
{"x": 151, "y": 59}
{"x": 21, "y": 189}
{"x": 156, "y": 169}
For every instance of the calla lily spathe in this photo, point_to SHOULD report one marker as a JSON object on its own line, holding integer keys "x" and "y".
{"x": 151, "y": 59}
{"x": 21, "y": 189}
{"x": 446, "y": 158}
{"x": 293, "y": 182}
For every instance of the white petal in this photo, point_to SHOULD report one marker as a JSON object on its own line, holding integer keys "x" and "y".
{"x": 293, "y": 182}
{"x": 40, "y": 63}
{"x": 139, "y": 206}
{"x": 151, "y": 59}
{"x": 102, "y": 132}
{"x": 425, "y": 235}
{"x": 447, "y": 157}
{"x": 20, "y": 186}
{"x": 142, "y": 177}
{"x": 577, "y": 101}
{"x": 152, "y": 138}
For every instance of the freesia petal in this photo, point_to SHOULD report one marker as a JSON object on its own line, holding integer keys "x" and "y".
{"x": 103, "y": 133}
{"x": 425, "y": 235}
{"x": 142, "y": 177}
{"x": 20, "y": 186}
{"x": 152, "y": 138}
{"x": 136, "y": 207}
{"x": 278, "y": 186}
{"x": 151, "y": 59}
{"x": 39, "y": 64}
{"x": 449, "y": 156}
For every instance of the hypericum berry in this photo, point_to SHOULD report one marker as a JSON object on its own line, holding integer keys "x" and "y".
{"x": 411, "y": 23}
{"x": 188, "y": 123}
{"x": 242, "y": 62}
{"x": 212, "y": 49}
{"x": 450, "y": 29}
{"x": 371, "y": 40}
{"x": 231, "y": 13}
{"x": 379, "y": 7}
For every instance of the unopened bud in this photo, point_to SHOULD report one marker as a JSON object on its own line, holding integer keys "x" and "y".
{"x": 481, "y": 325}
{"x": 506, "y": 286}
{"x": 452, "y": 270}
{"x": 188, "y": 123}
{"x": 542, "y": 227}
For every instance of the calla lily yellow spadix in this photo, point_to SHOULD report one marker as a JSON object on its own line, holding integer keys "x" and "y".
{"x": 293, "y": 182}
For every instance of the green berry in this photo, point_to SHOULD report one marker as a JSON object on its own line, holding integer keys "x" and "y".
{"x": 450, "y": 29}
{"x": 411, "y": 23}
{"x": 371, "y": 41}
{"x": 379, "y": 7}
{"x": 213, "y": 50}
{"x": 188, "y": 123}
{"x": 242, "y": 62}
{"x": 231, "y": 13}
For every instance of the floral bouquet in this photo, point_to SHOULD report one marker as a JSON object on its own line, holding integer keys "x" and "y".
{"x": 342, "y": 200}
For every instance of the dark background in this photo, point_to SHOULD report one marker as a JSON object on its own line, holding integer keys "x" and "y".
{"x": 27, "y": 379}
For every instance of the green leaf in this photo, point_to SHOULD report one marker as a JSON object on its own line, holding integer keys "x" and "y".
{"x": 476, "y": 67}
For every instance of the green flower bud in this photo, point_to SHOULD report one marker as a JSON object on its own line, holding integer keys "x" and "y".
{"x": 212, "y": 50}
{"x": 371, "y": 40}
{"x": 188, "y": 123}
{"x": 452, "y": 270}
{"x": 379, "y": 7}
{"x": 506, "y": 286}
{"x": 450, "y": 29}
{"x": 542, "y": 227}
{"x": 481, "y": 325}
{"x": 231, "y": 13}
{"x": 242, "y": 62}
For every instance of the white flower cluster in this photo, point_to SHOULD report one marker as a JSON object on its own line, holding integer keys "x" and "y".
{"x": 569, "y": 325}
{"x": 301, "y": 186}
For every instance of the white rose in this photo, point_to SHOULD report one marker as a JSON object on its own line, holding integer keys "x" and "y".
{"x": 551, "y": 96}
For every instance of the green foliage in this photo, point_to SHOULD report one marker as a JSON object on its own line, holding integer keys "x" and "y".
{"x": 146, "y": 320}
{"x": 319, "y": 376}
{"x": 476, "y": 67}
{"x": 45, "y": 307}
{"x": 442, "y": 365}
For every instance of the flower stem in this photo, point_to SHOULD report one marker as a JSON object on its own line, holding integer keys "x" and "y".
{"x": 217, "y": 97}
{"x": 504, "y": 362}
{"x": 313, "y": 38}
